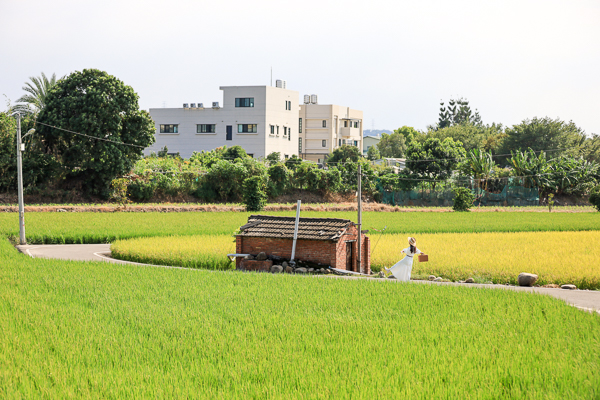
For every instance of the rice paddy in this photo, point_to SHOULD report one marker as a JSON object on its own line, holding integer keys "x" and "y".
{"x": 556, "y": 257}
{"x": 67, "y": 228}
{"x": 75, "y": 329}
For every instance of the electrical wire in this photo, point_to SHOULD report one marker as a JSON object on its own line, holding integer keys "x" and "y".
{"x": 91, "y": 137}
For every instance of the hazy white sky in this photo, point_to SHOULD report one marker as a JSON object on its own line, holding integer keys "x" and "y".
{"x": 395, "y": 60}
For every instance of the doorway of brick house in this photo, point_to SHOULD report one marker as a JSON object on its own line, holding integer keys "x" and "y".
{"x": 349, "y": 256}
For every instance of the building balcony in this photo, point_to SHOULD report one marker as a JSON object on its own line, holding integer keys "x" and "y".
{"x": 350, "y": 132}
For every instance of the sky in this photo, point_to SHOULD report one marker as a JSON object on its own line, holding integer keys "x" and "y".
{"x": 394, "y": 60}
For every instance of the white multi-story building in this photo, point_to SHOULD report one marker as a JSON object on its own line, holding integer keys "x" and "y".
{"x": 325, "y": 127}
{"x": 260, "y": 119}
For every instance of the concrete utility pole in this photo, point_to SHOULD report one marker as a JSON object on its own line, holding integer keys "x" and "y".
{"x": 20, "y": 150}
{"x": 359, "y": 195}
{"x": 296, "y": 230}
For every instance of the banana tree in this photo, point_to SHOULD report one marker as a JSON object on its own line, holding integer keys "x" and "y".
{"x": 480, "y": 164}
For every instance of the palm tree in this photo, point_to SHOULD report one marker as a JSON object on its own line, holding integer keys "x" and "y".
{"x": 37, "y": 91}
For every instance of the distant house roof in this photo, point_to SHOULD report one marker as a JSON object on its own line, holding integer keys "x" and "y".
{"x": 283, "y": 227}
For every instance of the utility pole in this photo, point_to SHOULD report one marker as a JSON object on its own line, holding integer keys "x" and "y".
{"x": 20, "y": 150}
{"x": 296, "y": 230}
{"x": 20, "y": 183}
{"x": 359, "y": 195}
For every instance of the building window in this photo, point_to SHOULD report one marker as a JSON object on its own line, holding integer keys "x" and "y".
{"x": 244, "y": 101}
{"x": 300, "y": 125}
{"x": 228, "y": 132}
{"x": 277, "y": 130}
{"x": 324, "y": 123}
{"x": 250, "y": 155}
{"x": 356, "y": 143}
{"x": 324, "y": 143}
{"x": 345, "y": 124}
{"x": 299, "y": 145}
{"x": 172, "y": 128}
{"x": 205, "y": 128}
{"x": 286, "y": 156}
{"x": 339, "y": 142}
{"x": 272, "y": 129}
{"x": 285, "y": 131}
{"x": 288, "y": 105}
{"x": 356, "y": 124}
{"x": 246, "y": 128}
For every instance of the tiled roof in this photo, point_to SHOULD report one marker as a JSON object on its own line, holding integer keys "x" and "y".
{"x": 283, "y": 227}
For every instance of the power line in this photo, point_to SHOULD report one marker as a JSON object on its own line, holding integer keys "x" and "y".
{"x": 91, "y": 137}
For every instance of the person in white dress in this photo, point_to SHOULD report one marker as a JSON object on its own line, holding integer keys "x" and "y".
{"x": 403, "y": 268}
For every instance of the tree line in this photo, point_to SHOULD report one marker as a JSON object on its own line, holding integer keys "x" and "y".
{"x": 107, "y": 158}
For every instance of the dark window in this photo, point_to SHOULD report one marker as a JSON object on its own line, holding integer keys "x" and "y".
{"x": 345, "y": 124}
{"x": 277, "y": 130}
{"x": 244, "y": 102}
{"x": 300, "y": 125}
{"x": 324, "y": 123}
{"x": 356, "y": 143}
{"x": 285, "y": 131}
{"x": 169, "y": 128}
{"x": 229, "y": 135}
{"x": 299, "y": 145}
{"x": 356, "y": 124}
{"x": 205, "y": 128}
{"x": 324, "y": 143}
{"x": 272, "y": 129}
{"x": 288, "y": 105}
{"x": 246, "y": 128}
{"x": 340, "y": 142}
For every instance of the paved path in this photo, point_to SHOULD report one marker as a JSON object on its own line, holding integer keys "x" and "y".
{"x": 583, "y": 299}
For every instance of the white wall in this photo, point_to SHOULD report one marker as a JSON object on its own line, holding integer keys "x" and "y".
{"x": 269, "y": 109}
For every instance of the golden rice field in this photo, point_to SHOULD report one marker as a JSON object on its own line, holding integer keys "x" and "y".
{"x": 557, "y": 257}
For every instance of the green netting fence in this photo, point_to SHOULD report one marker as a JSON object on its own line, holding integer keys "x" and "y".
{"x": 443, "y": 196}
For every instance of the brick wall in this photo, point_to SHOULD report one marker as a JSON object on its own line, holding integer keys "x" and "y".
{"x": 351, "y": 235}
{"x": 317, "y": 251}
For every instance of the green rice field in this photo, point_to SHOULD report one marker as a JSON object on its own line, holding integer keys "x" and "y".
{"x": 65, "y": 228}
{"x": 99, "y": 330}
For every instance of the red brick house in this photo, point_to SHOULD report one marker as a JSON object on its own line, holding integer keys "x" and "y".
{"x": 327, "y": 241}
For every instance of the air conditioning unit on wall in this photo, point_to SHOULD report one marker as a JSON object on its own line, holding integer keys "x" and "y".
{"x": 215, "y": 104}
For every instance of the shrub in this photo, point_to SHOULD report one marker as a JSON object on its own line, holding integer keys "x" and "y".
{"x": 142, "y": 191}
{"x": 463, "y": 199}
{"x": 595, "y": 197}
{"x": 119, "y": 191}
{"x": 279, "y": 177}
{"x": 255, "y": 193}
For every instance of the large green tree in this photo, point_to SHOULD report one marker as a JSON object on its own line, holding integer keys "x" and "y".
{"x": 552, "y": 135}
{"x": 434, "y": 159}
{"x": 37, "y": 91}
{"x": 457, "y": 112}
{"x": 100, "y": 106}
{"x": 392, "y": 145}
{"x": 38, "y": 168}
{"x": 591, "y": 148}
{"x": 488, "y": 138}
{"x": 344, "y": 153}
